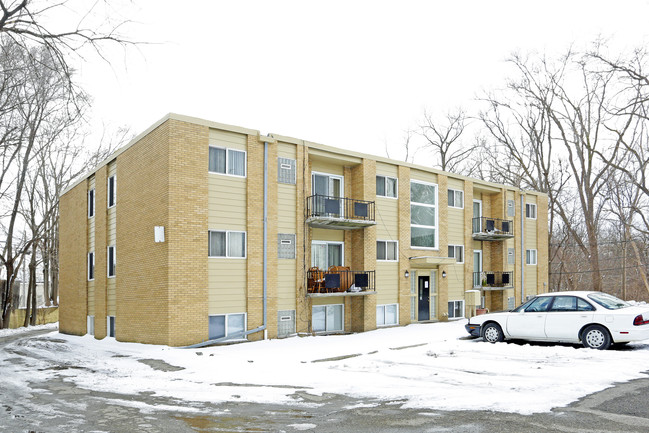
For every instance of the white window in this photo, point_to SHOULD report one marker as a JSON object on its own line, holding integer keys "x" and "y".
{"x": 456, "y": 252}
{"x": 226, "y": 325}
{"x": 387, "y": 250}
{"x": 110, "y": 325}
{"x": 91, "y": 203}
{"x": 423, "y": 215}
{"x": 455, "y": 309}
{"x": 530, "y": 210}
{"x": 326, "y": 254}
{"x": 91, "y": 266}
{"x": 327, "y": 318}
{"x": 225, "y": 243}
{"x": 530, "y": 257}
{"x": 386, "y": 186}
{"x": 111, "y": 262}
{"x": 456, "y": 198}
{"x": 387, "y": 314}
{"x": 112, "y": 192}
{"x": 227, "y": 161}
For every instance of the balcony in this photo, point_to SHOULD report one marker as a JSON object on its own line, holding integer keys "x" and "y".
{"x": 493, "y": 280}
{"x": 340, "y": 281}
{"x": 339, "y": 212}
{"x": 492, "y": 229}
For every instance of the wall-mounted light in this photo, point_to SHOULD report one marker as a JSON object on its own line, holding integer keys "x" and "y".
{"x": 443, "y": 274}
{"x": 406, "y": 274}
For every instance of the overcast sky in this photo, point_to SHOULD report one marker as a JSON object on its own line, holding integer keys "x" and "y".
{"x": 350, "y": 74}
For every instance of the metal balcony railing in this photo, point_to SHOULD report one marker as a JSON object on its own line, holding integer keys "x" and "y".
{"x": 493, "y": 280}
{"x": 339, "y": 212}
{"x": 340, "y": 280}
{"x": 492, "y": 229}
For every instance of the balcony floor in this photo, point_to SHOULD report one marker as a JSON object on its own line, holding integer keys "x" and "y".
{"x": 482, "y": 236}
{"x": 338, "y": 223}
{"x": 337, "y": 294}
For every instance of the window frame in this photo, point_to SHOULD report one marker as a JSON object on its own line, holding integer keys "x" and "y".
{"x": 226, "y": 316}
{"x": 528, "y": 257}
{"x": 111, "y": 253}
{"x": 455, "y": 191}
{"x": 342, "y": 251}
{"x": 227, "y": 244}
{"x": 227, "y": 162}
{"x": 396, "y": 256}
{"x": 455, "y": 248}
{"x": 108, "y": 333}
{"x": 326, "y": 306}
{"x": 111, "y": 196}
{"x": 528, "y": 210}
{"x": 91, "y": 203}
{"x": 433, "y": 206}
{"x": 396, "y": 190}
{"x": 384, "y": 307}
{"x": 462, "y": 308}
{"x": 90, "y": 266}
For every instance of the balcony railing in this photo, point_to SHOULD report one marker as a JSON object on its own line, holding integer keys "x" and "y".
{"x": 492, "y": 229}
{"x": 341, "y": 280}
{"x": 339, "y": 212}
{"x": 493, "y": 280}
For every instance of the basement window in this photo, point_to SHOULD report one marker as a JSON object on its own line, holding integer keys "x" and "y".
{"x": 226, "y": 325}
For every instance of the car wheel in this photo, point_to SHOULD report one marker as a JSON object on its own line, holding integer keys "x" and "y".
{"x": 493, "y": 333}
{"x": 596, "y": 337}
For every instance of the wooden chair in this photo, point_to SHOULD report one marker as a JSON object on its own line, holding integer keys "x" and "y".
{"x": 315, "y": 282}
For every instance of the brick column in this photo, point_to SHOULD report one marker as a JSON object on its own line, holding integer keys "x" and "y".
{"x": 403, "y": 174}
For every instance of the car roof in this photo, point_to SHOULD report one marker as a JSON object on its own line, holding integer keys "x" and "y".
{"x": 569, "y": 293}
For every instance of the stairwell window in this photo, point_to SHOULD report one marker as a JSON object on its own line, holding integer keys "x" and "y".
{"x": 227, "y": 161}
{"x": 530, "y": 257}
{"x": 530, "y": 210}
{"x": 91, "y": 203}
{"x": 423, "y": 215}
{"x": 91, "y": 266}
{"x": 386, "y": 186}
{"x": 455, "y": 309}
{"x": 112, "y": 192}
{"x": 226, "y": 244}
{"x": 112, "y": 262}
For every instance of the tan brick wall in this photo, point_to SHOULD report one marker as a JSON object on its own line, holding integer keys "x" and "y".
{"x": 143, "y": 265}
{"x": 72, "y": 260}
{"x": 187, "y": 235}
{"x": 404, "y": 244}
{"x": 302, "y": 242}
{"x": 101, "y": 205}
{"x": 468, "y": 234}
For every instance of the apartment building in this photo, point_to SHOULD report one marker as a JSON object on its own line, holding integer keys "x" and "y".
{"x": 198, "y": 231}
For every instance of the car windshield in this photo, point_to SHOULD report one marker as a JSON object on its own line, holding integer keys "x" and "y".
{"x": 523, "y": 306}
{"x": 607, "y": 301}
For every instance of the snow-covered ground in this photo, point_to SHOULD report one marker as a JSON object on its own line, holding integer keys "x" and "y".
{"x": 416, "y": 366}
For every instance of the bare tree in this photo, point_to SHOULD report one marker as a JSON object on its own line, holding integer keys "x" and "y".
{"x": 443, "y": 138}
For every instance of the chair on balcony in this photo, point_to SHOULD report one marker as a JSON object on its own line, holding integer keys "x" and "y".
{"x": 316, "y": 280}
{"x": 505, "y": 226}
{"x": 341, "y": 278}
{"x": 505, "y": 279}
{"x": 490, "y": 226}
{"x": 491, "y": 280}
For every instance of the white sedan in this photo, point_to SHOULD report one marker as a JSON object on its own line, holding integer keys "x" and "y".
{"x": 595, "y": 319}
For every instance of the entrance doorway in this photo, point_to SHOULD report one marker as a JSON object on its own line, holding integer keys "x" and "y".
{"x": 424, "y": 297}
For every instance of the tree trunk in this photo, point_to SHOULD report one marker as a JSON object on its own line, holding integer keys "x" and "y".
{"x": 6, "y": 295}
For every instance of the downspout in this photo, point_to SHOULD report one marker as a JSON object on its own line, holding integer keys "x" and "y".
{"x": 522, "y": 246}
{"x": 265, "y": 274}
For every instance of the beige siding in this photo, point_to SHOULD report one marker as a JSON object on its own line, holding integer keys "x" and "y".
{"x": 386, "y": 169}
{"x": 387, "y": 218}
{"x": 455, "y": 277}
{"x": 286, "y": 150}
{"x": 286, "y": 208}
{"x": 226, "y": 285}
{"x": 387, "y": 283}
{"x": 423, "y": 176}
{"x": 228, "y": 139}
{"x": 455, "y": 226}
{"x": 328, "y": 235}
{"x": 226, "y": 202}
{"x": 286, "y": 290}
{"x": 327, "y": 167}
{"x": 457, "y": 184}
{"x": 328, "y": 301}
